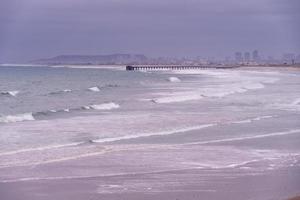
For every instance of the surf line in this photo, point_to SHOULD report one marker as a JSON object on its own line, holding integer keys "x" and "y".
{"x": 246, "y": 137}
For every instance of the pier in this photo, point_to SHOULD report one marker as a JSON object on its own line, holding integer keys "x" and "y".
{"x": 173, "y": 67}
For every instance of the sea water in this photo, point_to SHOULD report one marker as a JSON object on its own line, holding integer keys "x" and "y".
{"x": 243, "y": 119}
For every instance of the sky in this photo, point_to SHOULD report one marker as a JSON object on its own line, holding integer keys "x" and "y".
{"x": 33, "y": 29}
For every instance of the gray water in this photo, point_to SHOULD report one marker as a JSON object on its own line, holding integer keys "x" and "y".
{"x": 245, "y": 120}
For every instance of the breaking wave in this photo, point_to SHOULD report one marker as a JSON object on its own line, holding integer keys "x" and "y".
{"x": 40, "y": 148}
{"x": 94, "y": 89}
{"x": 293, "y": 106}
{"x": 17, "y": 118}
{"x": 178, "y": 98}
{"x": 174, "y": 79}
{"x": 105, "y": 106}
{"x": 196, "y": 94}
{"x": 235, "y": 83}
{"x": 98, "y": 88}
{"x": 42, "y": 114}
{"x": 296, "y": 102}
{"x": 289, "y": 132}
{"x": 60, "y": 92}
{"x": 167, "y": 132}
{"x": 10, "y": 93}
{"x": 251, "y": 120}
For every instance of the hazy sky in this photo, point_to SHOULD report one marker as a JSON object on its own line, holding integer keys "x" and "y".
{"x": 31, "y": 29}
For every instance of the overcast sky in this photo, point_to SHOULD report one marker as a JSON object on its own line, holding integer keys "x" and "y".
{"x": 31, "y": 29}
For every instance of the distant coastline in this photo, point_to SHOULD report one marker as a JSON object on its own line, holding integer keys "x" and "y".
{"x": 121, "y": 60}
{"x": 123, "y": 66}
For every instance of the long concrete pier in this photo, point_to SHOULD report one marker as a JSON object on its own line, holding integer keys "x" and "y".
{"x": 174, "y": 67}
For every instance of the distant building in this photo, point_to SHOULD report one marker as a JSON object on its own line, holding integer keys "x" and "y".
{"x": 255, "y": 55}
{"x": 298, "y": 59}
{"x": 238, "y": 57}
{"x": 289, "y": 58}
{"x": 247, "y": 57}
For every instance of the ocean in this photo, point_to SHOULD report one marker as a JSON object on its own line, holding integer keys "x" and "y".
{"x": 89, "y": 133}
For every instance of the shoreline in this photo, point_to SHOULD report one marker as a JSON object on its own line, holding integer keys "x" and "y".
{"x": 114, "y": 66}
{"x": 134, "y": 186}
{"x": 249, "y": 154}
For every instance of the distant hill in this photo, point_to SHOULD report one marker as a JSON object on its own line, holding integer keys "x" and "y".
{"x": 95, "y": 59}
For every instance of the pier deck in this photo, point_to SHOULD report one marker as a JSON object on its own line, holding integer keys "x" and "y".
{"x": 174, "y": 67}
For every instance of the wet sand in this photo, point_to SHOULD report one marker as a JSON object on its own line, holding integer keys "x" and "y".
{"x": 151, "y": 172}
{"x": 236, "y": 147}
{"x": 277, "y": 185}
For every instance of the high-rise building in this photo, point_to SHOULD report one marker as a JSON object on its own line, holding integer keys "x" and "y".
{"x": 247, "y": 57}
{"x": 289, "y": 58}
{"x": 255, "y": 55}
{"x": 238, "y": 57}
{"x": 298, "y": 59}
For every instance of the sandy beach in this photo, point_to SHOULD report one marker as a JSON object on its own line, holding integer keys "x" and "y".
{"x": 208, "y": 134}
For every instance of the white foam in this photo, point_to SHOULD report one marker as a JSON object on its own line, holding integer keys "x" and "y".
{"x": 242, "y": 121}
{"x": 251, "y": 120}
{"x": 61, "y": 92}
{"x": 253, "y": 86}
{"x": 174, "y": 79}
{"x": 11, "y": 93}
{"x": 55, "y": 160}
{"x": 168, "y": 132}
{"x": 196, "y": 94}
{"x": 111, "y": 67}
{"x": 175, "y": 98}
{"x": 249, "y": 137}
{"x": 270, "y": 80}
{"x": 86, "y": 107}
{"x": 236, "y": 82}
{"x": 21, "y": 65}
{"x": 296, "y": 102}
{"x": 94, "y": 89}
{"x": 17, "y": 118}
{"x": 39, "y": 148}
{"x": 293, "y": 106}
{"x": 105, "y": 106}
{"x": 208, "y": 72}
{"x": 221, "y": 92}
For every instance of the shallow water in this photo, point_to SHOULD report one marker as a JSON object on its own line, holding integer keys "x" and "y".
{"x": 146, "y": 122}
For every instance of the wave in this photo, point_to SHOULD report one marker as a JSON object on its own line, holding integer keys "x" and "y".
{"x": 10, "y": 93}
{"x": 207, "y": 72}
{"x": 17, "y": 118}
{"x": 178, "y": 98}
{"x": 40, "y": 148}
{"x": 251, "y": 120}
{"x": 94, "y": 89}
{"x": 105, "y": 106}
{"x": 247, "y": 137}
{"x": 60, "y": 92}
{"x": 85, "y": 177}
{"x": 41, "y": 114}
{"x": 111, "y": 85}
{"x": 196, "y": 94}
{"x": 174, "y": 79}
{"x": 252, "y": 86}
{"x": 296, "y": 102}
{"x": 236, "y": 82}
{"x": 293, "y": 106}
{"x": 168, "y": 132}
